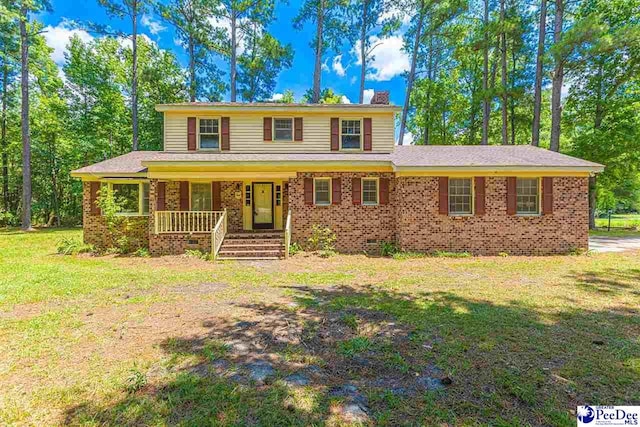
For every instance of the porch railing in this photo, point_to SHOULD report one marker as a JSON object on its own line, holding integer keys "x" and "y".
{"x": 186, "y": 221}
{"x": 218, "y": 234}
{"x": 287, "y": 235}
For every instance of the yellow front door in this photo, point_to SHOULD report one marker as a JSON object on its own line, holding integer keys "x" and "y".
{"x": 263, "y": 205}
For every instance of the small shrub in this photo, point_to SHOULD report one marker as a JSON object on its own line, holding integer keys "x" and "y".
{"x": 408, "y": 255}
{"x": 135, "y": 381}
{"x": 322, "y": 239}
{"x": 578, "y": 251}
{"x": 388, "y": 248}
{"x": 503, "y": 254}
{"x": 8, "y": 219}
{"x": 448, "y": 254}
{"x": 142, "y": 253}
{"x": 70, "y": 246}
{"x": 196, "y": 253}
{"x": 294, "y": 248}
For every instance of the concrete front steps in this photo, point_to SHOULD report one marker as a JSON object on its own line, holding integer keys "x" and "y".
{"x": 252, "y": 245}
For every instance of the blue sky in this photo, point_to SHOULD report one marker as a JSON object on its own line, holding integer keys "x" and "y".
{"x": 341, "y": 72}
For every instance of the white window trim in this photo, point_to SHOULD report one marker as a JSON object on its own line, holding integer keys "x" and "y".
{"x": 219, "y": 119}
{"x": 322, "y": 178}
{"x": 359, "y": 119}
{"x": 539, "y": 207}
{"x": 140, "y": 197}
{"x": 191, "y": 192}
{"x": 473, "y": 196}
{"x": 370, "y": 178}
{"x": 273, "y": 129}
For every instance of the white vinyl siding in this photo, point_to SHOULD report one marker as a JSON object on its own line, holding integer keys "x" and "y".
{"x": 246, "y": 133}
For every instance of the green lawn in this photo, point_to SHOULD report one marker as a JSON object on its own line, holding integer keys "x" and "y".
{"x": 154, "y": 341}
{"x": 631, "y": 221}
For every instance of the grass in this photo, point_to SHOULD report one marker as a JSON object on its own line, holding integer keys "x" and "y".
{"x": 628, "y": 221}
{"x": 137, "y": 341}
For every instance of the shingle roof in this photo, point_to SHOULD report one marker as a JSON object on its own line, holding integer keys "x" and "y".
{"x": 483, "y": 156}
{"x": 422, "y": 157}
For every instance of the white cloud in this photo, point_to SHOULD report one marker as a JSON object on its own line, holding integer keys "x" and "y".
{"x": 367, "y": 95}
{"x": 389, "y": 60}
{"x": 408, "y": 138}
{"x": 154, "y": 26}
{"x": 277, "y": 97}
{"x": 345, "y": 100}
{"x": 325, "y": 67}
{"x": 58, "y": 38}
{"x": 337, "y": 66}
{"x": 126, "y": 42}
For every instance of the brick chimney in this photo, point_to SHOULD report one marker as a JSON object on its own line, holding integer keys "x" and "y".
{"x": 380, "y": 97}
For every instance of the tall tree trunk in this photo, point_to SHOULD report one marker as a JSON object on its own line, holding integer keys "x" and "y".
{"x": 134, "y": 73}
{"x": 486, "y": 107}
{"x": 363, "y": 50}
{"x": 24, "y": 116}
{"x": 54, "y": 181}
{"x": 427, "y": 110}
{"x": 558, "y": 76}
{"x": 192, "y": 70}
{"x": 234, "y": 60}
{"x": 3, "y": 136}
{"x": 317, "y": 68}
{"x": 412, "y": 72}
{"x": 597, "y": 123}
{"x": 537, "y": 97}
{"x": 503, "y": 75}
{"x": 514, "y": 64}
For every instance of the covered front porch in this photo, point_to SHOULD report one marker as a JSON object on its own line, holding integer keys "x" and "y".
{"x": 196, "y": 213}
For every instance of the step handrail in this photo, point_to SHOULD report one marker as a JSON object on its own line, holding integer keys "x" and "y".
{"x": 218, "y": 234}
{"x": 287, "y": 235}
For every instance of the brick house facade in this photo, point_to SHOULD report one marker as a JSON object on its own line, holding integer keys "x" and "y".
{"x": 520, "y": 200}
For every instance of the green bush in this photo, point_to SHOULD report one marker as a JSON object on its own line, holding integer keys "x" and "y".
{"x": 142, "y": 253}
{"x": 388, "y": 248}
{"x": 8, "y": 219}
{"x": 196, "y": 253}
{"x": 119, "y": 227}
{"x": 71, "y": 246}
{"x": 294, "y": 248}
{"x": 322, "y": 239}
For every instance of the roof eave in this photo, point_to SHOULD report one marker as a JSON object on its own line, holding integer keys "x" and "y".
{"x": 284, "y": 107}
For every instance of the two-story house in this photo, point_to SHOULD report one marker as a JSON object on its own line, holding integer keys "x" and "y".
{"x": 246, "y": 178}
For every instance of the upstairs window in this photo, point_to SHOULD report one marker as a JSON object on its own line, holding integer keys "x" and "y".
{"x": 527, "y": 196}
{"x": 209, "y": 134}
{"x": 283, "y": 129}
{"x": 350, "y": 134}
{"x": 322, "y": 191}
{"x": 460, "y": 196}
{"x": 200, "y": 196}
{"x": 369, "y": 191}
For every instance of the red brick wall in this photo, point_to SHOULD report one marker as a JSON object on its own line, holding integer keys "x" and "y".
{"x": 353, "y": 224}
{"x": 95, "y": 230}
{"x": 422, "y": 228}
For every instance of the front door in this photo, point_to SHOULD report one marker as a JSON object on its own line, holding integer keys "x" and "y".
{"x": 263, "y": 205}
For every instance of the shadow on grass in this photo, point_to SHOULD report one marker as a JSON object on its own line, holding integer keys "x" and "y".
{"x": 610, "y": 280}
{"x": 508, "y": 363}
